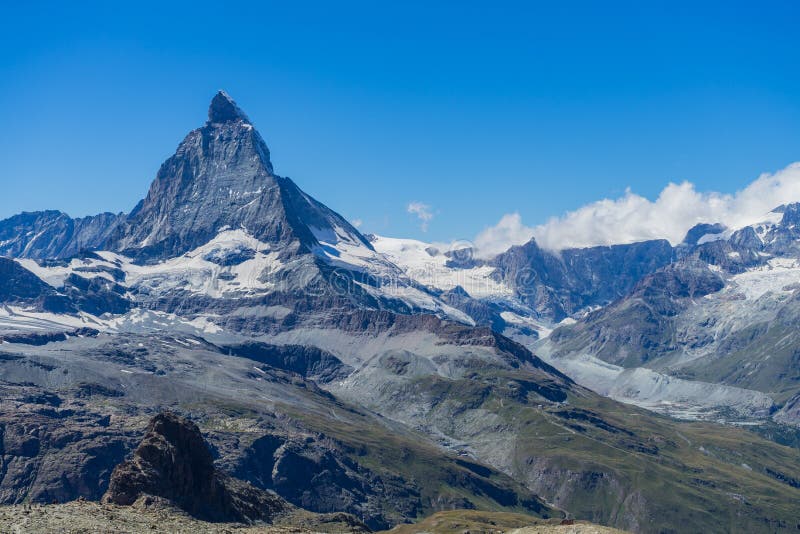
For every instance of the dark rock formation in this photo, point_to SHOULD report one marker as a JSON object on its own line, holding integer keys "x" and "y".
{"x": 697, "y": 232}
{"x": 20, "y": 286}
{"x": 173, "y": 462}
{"x": 309, "y": 362}
{"x": 640, "y": 327}
{"x": 52, "y": 452}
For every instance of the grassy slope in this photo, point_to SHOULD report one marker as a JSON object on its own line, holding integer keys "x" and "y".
{"x": 479, "y": 522}
{"x": 615, "y": 464}
{"x": 444, "y": 480}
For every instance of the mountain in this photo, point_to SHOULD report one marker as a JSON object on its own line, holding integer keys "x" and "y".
{"x": 53, "y": 234}
{"x": 221, "y": 178}
{"x": 527, "y": 289}
{"x": 340, "y": 373}
{"x": 704, "y": 329}
{"x": 558, "y": 285}
{"x": 174, "y": 463}
{"x": 716, "y": 326}
{"x": 219, "y": 229}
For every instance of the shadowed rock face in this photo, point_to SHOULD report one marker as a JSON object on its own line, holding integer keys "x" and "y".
{"x": 173, "y": 462}
{"x": 17, "y": 284}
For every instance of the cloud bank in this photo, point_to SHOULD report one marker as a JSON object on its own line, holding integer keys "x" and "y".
{"x": 632, "y": 217}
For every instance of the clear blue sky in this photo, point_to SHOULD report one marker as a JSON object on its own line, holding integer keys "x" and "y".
{"x": 478, "y": 109}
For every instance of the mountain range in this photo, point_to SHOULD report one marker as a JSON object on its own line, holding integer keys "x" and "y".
{"x": 647, "y": 386}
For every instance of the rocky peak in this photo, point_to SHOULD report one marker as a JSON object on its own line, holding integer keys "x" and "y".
{"x": 791, "y": 214}
{"x": 224, "y": 109}
{"x": 221, "y": 177}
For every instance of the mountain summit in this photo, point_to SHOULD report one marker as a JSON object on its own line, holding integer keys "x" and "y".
{"x": 224, "y": 109}
{"x": 221, "y": 177}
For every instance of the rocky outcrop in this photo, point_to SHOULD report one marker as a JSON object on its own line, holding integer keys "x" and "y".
{"x": 314, "y": 472}
{"x": 309, "y": 362}
{"x": 53, "y": 450}
{"x": 20, "y": 286}
{"x": 173, "y": 462}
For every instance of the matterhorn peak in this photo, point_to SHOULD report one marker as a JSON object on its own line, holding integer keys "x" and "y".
{"x": 224, "y": 109}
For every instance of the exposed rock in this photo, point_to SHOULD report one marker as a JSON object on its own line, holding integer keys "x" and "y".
{"x": 53, "y": 234}
{"x": 21, "y": 287}
{"x": 221, "y": 176}
{"x": 55, "y": 451}
{"x": 309, "y": 362}
{"x": 313, "y": 472}
{"x": 173, "y": 462}
{"x": 558, "y": 284}
{"x": 641, "y": 326}
{"x": 150, "y": 514}
{"x": 698, "y": 231}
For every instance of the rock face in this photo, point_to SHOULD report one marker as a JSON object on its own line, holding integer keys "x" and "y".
{"x": 18, "y": 285}
{"x": 557, "y": 285}
{"x": 221, "y": 176}
{"x": 53, "y": 234}
{"x": 173, "y": 462}
{"x": 641, "y": 326}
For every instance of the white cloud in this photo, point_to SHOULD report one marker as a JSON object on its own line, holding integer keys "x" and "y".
{"x": 498, "y": 238}
{"x": 633, "y": 217}
{"x": 423, "y": 213}
{"x": 357, "y": 223}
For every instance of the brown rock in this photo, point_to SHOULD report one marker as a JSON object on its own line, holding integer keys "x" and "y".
{"x": 173, "y": 462}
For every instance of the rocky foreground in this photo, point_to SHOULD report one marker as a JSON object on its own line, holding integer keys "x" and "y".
{"x": 85, "y": 517}
{"x": 170, "y": 484}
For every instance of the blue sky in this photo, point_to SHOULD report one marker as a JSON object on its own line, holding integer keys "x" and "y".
{"x": 474, "y": 109}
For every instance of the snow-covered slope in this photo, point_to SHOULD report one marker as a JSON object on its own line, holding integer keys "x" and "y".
{"x": 442, "y": 270}
{"x": 235, "y": 265}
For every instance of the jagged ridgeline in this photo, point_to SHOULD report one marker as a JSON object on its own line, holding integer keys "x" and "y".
{"x": 328, "y": 375}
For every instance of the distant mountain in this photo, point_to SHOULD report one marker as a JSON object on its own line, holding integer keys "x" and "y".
{"x": 53, "y": 234}
{"x": 560, "y": 284}
{"x": 724, "y": 313}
